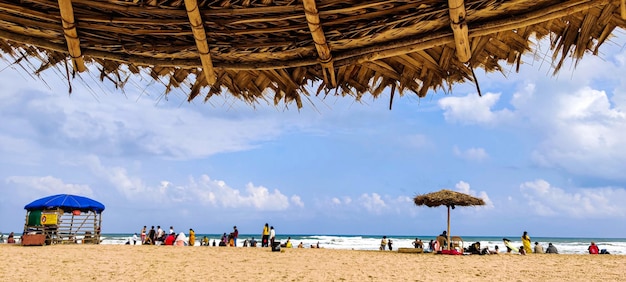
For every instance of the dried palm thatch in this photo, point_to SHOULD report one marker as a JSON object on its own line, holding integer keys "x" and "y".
{"x": 256, "y": 49}
{"x": 450, "y": 199}
{"x": 447, "y": 198}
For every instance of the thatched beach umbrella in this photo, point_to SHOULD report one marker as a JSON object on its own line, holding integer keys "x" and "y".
{"x": 277, "y": 51}
{"x": 449, "y": 199}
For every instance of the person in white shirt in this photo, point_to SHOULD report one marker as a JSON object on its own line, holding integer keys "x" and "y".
{"x": 272, "y": 236}
{"x": 159, "y": 236}
{"x": 135, "y": 239}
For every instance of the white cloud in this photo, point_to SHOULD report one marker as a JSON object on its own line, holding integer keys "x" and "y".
{"x": 547, "y": 200}
{"x": 48, "y": 185}
{"x": 128, "y": 186}
{"x": 109, "y": 125}
{"x": 471, "y": 154}
{"x": 583, "y": 134}
{"x": 464, "y": 187}
{"x": 296, "y": 200}
{"x": 372, "y": 203}
{"x": 203, "y": 191}
{"x": 473, "y": 109}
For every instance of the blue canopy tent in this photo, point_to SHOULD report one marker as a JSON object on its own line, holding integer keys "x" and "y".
{"x": 63, "y": 218}
{"x": 66, "y": 201}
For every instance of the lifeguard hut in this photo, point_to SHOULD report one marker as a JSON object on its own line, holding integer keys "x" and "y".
{"x": 61, "y": 219}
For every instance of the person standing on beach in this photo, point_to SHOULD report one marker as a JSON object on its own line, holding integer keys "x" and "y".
{"x": 418, "y": 243}
{"x": 192, "y": 237}
{"x": 159, "y": 235}
{"x": 265, "y": 236}
{"x": 526, "y": 243}
{"x": 383, "y": 243}
{"x": 235, "y": 235}
{"x": 143, "y": 235}
{"x": 272, "y": 236}
{"x": 151, "y": 235}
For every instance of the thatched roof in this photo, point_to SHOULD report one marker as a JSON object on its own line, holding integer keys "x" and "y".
{"x": 447, "y": 198}
{"x": 285, "y": 50}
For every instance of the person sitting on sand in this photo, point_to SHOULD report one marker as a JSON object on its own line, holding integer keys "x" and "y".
{"x": 252, "y": 242}
{"x": 431, "y": 247}
{"x": 444, "y": 234}
{"x": 181, "y": 240}
{"x": 205, "y": 241}
{"x": 383, "y": 243}
{"x": 487, "y": 251}
{"x": 593, "y": 249}
{"x": 11, "y": 239}
{"x": 300, "y": 246}
{"x": 389, "y": 244}
{"x": 474, "y": 249}
{"x": 169, "y": 240}
{"x": 551, "y": 249}
{"x": 522, "y": 251}
{"x": 538, "y": 248}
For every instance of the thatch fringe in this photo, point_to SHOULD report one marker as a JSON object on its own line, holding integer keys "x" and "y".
{"x": 252, "y": 49}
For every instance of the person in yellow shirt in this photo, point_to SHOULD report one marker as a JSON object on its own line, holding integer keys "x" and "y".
{"x": 526, "y": 243}
{"x": 265, "y": 236}
{"x": 192, "y": 237}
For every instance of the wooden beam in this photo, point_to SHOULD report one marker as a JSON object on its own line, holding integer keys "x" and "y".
{"x": 71, "y": 36}
{"x": 323, "y": 50}
{"x": 460, "y": 30}
{"x": 623, "y": 8}
{"x": 353, "y": 56}
{"x": 401, "y": 47}
{"x": 197, "y": 27}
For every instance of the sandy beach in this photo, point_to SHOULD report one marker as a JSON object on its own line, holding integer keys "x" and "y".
{"x": 161, "y": 263}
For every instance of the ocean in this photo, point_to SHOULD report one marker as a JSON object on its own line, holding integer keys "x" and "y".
{"x": 615, "y": 246}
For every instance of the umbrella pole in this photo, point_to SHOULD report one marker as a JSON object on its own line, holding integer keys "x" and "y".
{"x": 448, "y": 239}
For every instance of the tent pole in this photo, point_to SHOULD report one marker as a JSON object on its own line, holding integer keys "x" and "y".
{"x": 448, "y": 239}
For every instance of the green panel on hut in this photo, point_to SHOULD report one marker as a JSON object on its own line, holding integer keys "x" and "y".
{"x": 34, "y": 218}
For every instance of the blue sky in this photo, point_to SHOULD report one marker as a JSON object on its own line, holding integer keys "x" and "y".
{"x": 545, "y": 152}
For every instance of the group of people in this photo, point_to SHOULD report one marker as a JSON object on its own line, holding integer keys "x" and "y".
{"x": 231, "y": 238}
{"x": 384, "y": 243}
{"x": 475, "y": 248}
{"x": 159, "y": 237}
{"x": 268, "y": 237}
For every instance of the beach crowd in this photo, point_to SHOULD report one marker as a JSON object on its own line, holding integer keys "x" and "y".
{"x": 439, "y": 246}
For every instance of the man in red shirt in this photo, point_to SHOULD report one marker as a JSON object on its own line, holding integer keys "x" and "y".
{"x": 593, "y": 249}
